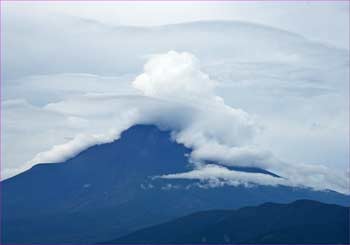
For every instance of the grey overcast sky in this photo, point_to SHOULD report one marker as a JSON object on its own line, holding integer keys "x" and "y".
{"x": 327, "y": 21}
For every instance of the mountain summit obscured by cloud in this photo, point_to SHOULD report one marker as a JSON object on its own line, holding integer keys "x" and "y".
{"x": 238, "y": 93}
{"x": 178, "y": 95}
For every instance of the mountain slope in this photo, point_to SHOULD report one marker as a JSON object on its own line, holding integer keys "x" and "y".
{"x": 107, "y": 191}
{"x": 302, "y": 221}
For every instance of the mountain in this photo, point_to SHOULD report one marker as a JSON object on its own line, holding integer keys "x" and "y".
{"x": 302, "y": 221}
{"x": 107, "y": 191}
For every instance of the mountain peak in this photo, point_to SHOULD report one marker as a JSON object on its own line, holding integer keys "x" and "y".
{"x": 111, "y": 185}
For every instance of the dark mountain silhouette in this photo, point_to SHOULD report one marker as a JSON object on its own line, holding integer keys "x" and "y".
{"x": 107, "y": 191}
{"x": 302, "y": 221}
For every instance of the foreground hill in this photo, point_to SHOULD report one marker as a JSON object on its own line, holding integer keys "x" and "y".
{"x": 107, "y": 191}
{"x": 302, "y": 221}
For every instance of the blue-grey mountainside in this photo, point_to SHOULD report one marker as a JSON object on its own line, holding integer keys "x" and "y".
{"x": 110, "y": 190}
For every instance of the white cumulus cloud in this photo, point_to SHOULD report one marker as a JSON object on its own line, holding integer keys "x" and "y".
{"x": 174, "y": 75}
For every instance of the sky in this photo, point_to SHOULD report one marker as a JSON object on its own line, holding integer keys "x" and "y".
{"x": 327, "y": 21}
{"x": 273, "y": 79}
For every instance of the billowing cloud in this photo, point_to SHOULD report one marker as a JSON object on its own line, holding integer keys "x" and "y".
{"x": 175, "y": 75}
{"x": 200, "y": 116}
{"x": 178, "y": 78}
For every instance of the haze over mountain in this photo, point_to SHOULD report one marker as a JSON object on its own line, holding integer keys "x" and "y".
{"x": 112, "y": 189}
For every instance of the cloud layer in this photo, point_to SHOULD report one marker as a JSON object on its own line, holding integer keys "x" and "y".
{"x": 198, "y": 118}
{"x": 294, "y": 93}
